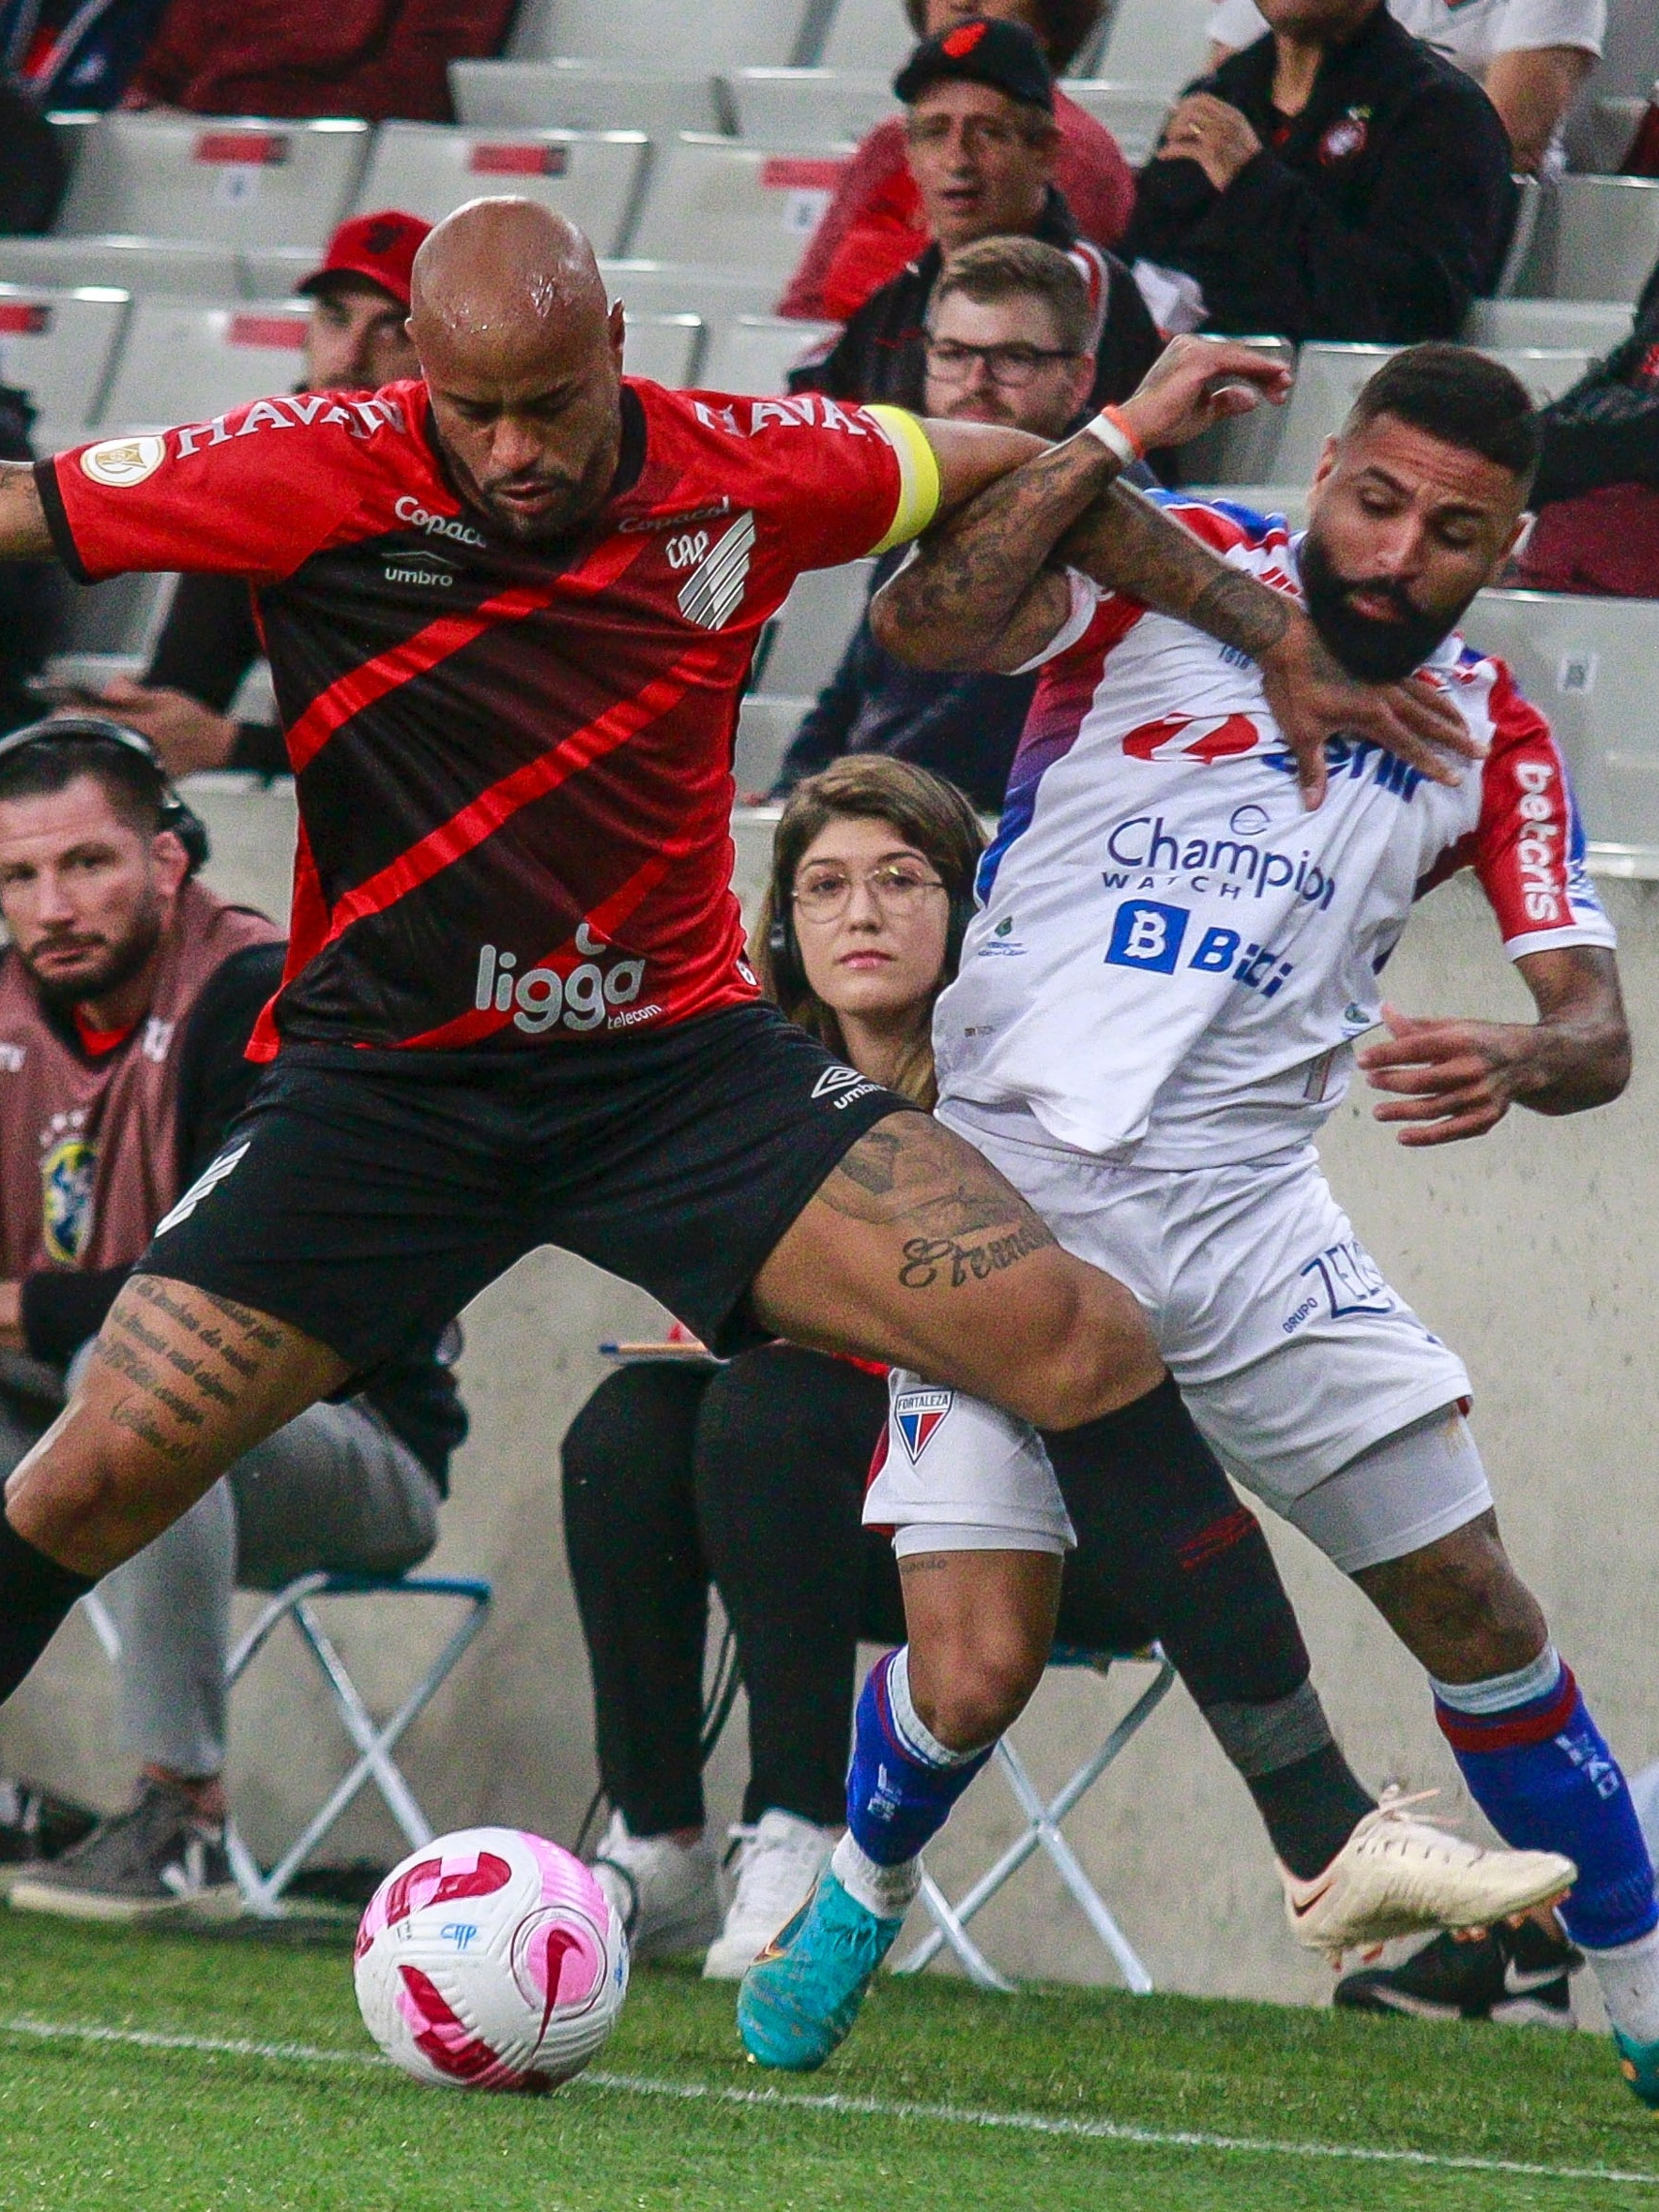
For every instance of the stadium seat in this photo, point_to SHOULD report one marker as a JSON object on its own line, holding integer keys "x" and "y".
{"x": 637, "y": 34}
{"x": 718, "y": 200}
{"x": 804, "y": 107}
{"x": 1243, "y": 451}
{"x": 122, "y": 616}
{"x": 593, "y": 176}
{"x": 166, "y": 267}
{"x": 684, "y": 288}
{"x": 666, "y": 348}
{"x": 755, "y": 352}
{"x": 1591, "y": 665}
{"x": 1328, "y": 381}
{"x": 274, "y": 272}
{"x": 1606, "y": 236}
{"x": 183, "y": 363}
{"x": 375, "y": 1741}
{"x": 866, "y": 35}
{"x": 1158, "y": 44}
{"x": 1133, "y": 114}
{"x": 799, "y": 649}
{"x": 58, "y": 347}
{"x": 1597, "y": 325}
{"x": 765, "y": 724}
{"x": 583, "y": 95}
{"x": 1043, "y": 1832}
{"x": 231, "y": 181}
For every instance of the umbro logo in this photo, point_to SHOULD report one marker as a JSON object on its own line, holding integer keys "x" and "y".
{"x": 916, "y": 1416}
{"x": 835, "y": 1079}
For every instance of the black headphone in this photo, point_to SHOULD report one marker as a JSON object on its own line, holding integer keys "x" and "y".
{"x": 92, "y": 729}
{"x": 789, "y": 971}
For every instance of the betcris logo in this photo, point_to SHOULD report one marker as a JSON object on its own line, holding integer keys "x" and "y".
{"x": 1148, "y": 935}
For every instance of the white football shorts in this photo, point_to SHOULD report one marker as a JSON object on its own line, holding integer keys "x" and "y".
{"x": 1290, "y": 1349}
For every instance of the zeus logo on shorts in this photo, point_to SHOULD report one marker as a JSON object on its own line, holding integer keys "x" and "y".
{"x": 1351, "y": 1279}
{"x": 917, "y": 1413}
{"x": 207, "y": 1181}
{"x": 1148, "y": 935}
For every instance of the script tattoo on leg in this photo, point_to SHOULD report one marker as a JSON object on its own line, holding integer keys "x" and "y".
{"x": 185, "y": 1352}
{"x": 911, "y": 1172}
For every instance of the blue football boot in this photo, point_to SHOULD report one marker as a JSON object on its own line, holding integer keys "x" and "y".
{"x": 1639, "y": 2064}
{"x": 800, "y": 1999}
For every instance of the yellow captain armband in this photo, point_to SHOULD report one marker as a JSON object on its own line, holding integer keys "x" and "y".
{"x": 919, "y": 475}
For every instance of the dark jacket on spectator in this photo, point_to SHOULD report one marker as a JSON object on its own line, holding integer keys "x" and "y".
{"x": 1376, "y": 215}
{"x": 75, "y": 53}
{"x": 32, "y": 171}
{"x": 377, "y": 58}
{"x": 32, "y": 593}
{"x": 881, "y": 352}
{"x": 962, "y": 727}
{"x": 208, "y": 643}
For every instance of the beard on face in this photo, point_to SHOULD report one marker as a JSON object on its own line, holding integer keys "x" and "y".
{"x": 117, "y": 965}
{"x": 1376, "y": 652}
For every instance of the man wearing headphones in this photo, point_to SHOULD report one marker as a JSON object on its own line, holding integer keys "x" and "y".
{"x": 126, "y": 997}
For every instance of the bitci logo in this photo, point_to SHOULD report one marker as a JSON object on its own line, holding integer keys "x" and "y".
{"x": 917, "y": 1413}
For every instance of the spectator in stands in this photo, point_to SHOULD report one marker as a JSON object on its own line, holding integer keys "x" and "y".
{"x": 31, "y": 594}
{"x": 1597, "y": 488}
{"x": 982, "y": 140}
{"x": 354, "y": 340}
{"x": 874, "y": 224}
{"x": 1008, "y": 341}
{"x": 127, "y": 994}
{"x": 382, "y": 60}
{"x": 32, "y": 171}
{"x": 1531, "y": 55}
{"x": 750, "y": 1475}
{"x": 1338, "y": 180}
{"x": 64, "y": 53}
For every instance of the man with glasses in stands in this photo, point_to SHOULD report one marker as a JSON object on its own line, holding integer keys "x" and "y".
{"x": 1008, "y": 341}
{"x": 982, "y": 143}
{"x": 356, "y": 340}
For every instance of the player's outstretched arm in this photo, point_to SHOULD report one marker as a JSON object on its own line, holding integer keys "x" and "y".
{"x": 1453, "y": 1080}
{"x": 24, "y": 535}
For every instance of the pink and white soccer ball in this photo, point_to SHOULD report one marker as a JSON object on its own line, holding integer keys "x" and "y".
{"x": 491, "y": 1960}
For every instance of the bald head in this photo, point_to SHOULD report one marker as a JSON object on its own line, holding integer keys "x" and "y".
{"x": 523, "y": 356}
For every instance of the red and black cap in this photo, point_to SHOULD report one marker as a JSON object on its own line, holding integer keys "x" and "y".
{"x": 1001, "y": 55}
{"x": 381, "y": 247}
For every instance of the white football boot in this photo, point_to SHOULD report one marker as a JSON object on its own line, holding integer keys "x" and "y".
{"x": 666, "y": 1894}
{"x": 1398, "y": 1875}
{"x": 779, "y": 1862}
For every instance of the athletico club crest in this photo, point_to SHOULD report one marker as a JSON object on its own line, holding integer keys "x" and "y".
{"x": 917, "y": 1413}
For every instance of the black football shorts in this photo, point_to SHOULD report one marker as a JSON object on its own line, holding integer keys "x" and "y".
{"x": 364, "y": 1198}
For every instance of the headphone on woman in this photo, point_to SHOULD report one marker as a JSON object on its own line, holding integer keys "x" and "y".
{"x": 783, "y": 947}
{"x": 93, "y": 730}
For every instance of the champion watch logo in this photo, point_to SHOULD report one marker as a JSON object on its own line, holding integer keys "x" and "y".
{"x": 917, "y": 1413}
{"x": 712, "y": 595}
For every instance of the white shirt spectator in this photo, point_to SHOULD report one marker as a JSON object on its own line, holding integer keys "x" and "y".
{"x": 1472, "y": 33}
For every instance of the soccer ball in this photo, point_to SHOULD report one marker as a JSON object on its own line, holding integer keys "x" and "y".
{"x": 491, "y": 1960}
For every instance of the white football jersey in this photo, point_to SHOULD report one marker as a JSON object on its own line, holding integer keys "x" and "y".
{"x": 1172, "y": 956}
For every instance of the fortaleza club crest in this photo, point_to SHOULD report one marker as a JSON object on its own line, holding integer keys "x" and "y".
{"x": 917, "y": 1413}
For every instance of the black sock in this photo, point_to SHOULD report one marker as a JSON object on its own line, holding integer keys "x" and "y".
{"x": 37, "y": 1596}
{"x": 1310, "y": 1809}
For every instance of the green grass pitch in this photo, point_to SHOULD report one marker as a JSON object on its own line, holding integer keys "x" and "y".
{"x": 171, "y": 2074}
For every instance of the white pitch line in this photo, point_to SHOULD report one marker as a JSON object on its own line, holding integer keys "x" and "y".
{"x": 873, "y": 2108}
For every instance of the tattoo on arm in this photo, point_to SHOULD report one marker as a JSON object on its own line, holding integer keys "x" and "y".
{"x": 1130, "y": 545}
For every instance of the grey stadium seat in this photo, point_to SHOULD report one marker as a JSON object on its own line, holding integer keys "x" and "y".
{"x": 666, "y": 348}
{"x": 755, "y": 352}
{"x": 1244, "y": 449}
{"x": 567, "y": 95}
{"x": 1133, "y": 114}
{"x": 187, "y": 363}
{"x": 721, "y": 200}
{"x": 229, "y": 180}
{"x": 173, "y": 268}
{"x": 593, "y": 176}
{"x": 1606, "y": 236}
{"x": 58, "y": 347}
{"x": 1595, "y": 324}
{"x": 783, "y": 107}
{"x": 1590, "y": 666}
{"x": 687, "y": 288}
{"x": 713, "y": 34}
{"x": 867, "y": 35}
{"x": 765, "y": 726}
{"x": 802, "y": 646}
{"x": 1158, "y": 44}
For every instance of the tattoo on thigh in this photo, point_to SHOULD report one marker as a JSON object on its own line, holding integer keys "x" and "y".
{"x": 183, "y": 1351}
{"x": 924, "y": 1563}
{"x": 928, "y": 1258}
{"x": 911, "y": 1172}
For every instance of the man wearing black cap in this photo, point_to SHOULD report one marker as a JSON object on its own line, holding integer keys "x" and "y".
{"x": 356, "y": 340}
{"x": 982, "y": 140}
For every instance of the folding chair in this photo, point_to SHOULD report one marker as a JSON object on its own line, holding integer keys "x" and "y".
{"x": 593, "y": 176}
{"x": 1043, "y": 1833}
{"x": 262, "y": 1894}
{"x": 230, "y": 179}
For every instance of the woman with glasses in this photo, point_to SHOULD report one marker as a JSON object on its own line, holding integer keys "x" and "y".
{"x": 750, "y": 1475}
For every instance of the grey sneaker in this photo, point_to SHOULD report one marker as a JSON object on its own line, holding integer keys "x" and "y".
{"x": 666, "y": 1894}
{"x": 156, "y": 1862}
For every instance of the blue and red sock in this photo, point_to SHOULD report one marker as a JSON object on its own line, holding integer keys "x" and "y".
{"x": 903, "y": 1781}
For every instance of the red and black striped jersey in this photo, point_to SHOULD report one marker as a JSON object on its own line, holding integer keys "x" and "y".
{"x": 513, "y": 763}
